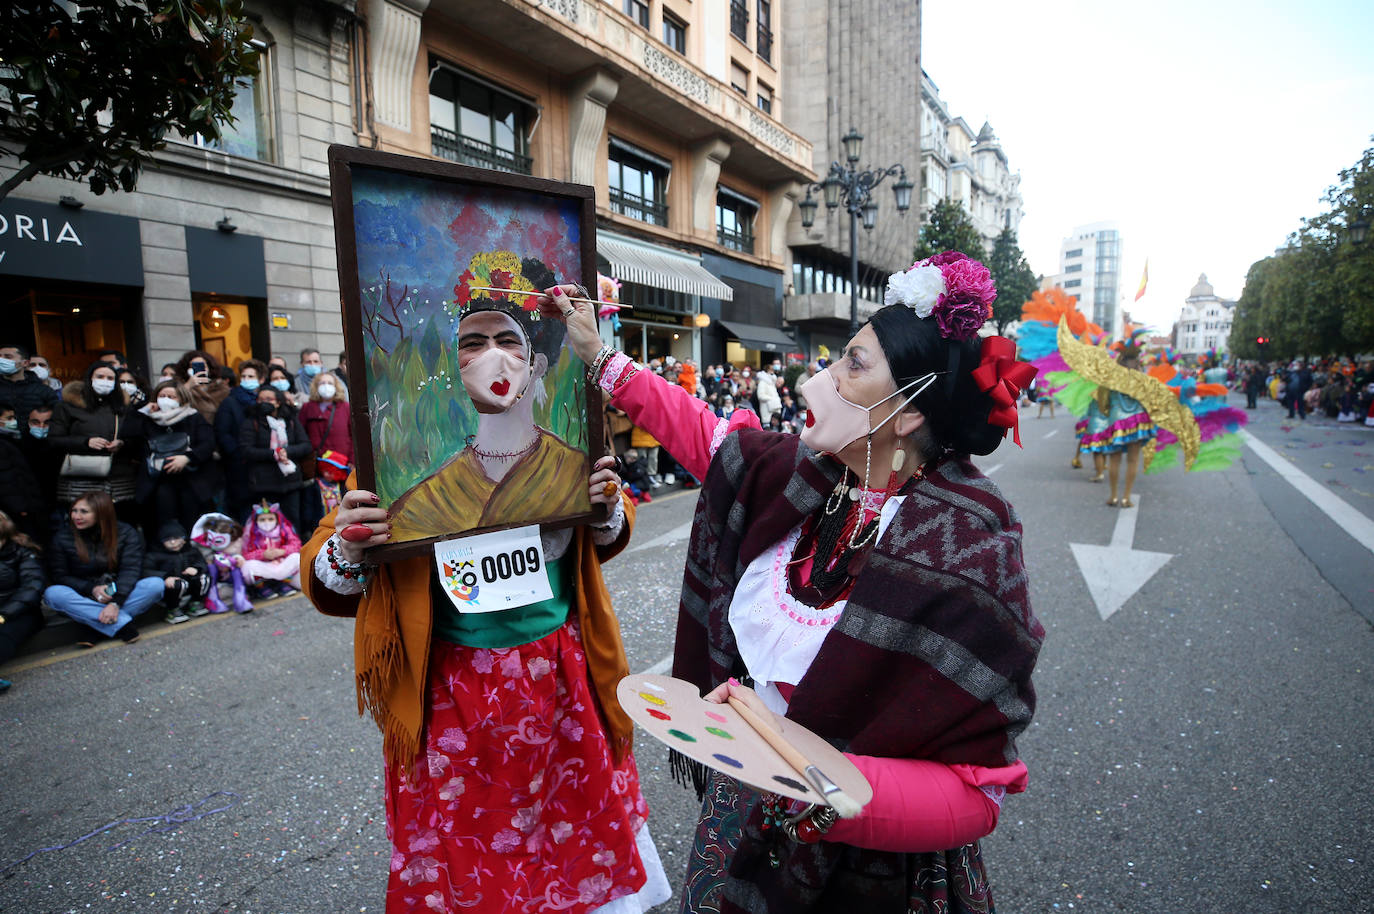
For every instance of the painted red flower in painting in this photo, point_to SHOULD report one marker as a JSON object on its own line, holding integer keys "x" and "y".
{"x": 462, "y": 294}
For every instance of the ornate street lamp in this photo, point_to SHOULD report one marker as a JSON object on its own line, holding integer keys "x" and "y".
{"x": 846, "y": 184}
{"x": 1359, "y": 229}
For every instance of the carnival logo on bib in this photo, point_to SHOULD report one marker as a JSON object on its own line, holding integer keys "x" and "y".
{"x": 461, "y": 581}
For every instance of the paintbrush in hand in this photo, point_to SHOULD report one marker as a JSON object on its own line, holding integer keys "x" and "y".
{"x": 828, "y": 789}
{"x": 538, "y": 294}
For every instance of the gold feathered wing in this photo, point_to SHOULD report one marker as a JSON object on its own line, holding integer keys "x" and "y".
{"x": 1158, "y": 398}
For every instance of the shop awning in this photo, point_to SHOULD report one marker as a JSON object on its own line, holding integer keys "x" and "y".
{"x": 661, "y": 268}
{"x": 755, "y": 336}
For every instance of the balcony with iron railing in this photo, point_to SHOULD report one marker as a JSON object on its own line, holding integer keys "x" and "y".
{"x": 739, "y": 20}
{"x": 740, "y": 239}
{"x": 467, "y": 151}
{"x": 637, "y": 207}
{"x": 764, "y": 47}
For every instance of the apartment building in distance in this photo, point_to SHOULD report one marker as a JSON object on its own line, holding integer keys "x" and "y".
{"x": 670, "y": 108}
{"x": 1204, "y": 321}
{"x": 1090, "y": 270}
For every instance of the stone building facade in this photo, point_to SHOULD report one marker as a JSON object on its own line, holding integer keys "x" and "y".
{"x": 850, "y": 63}
{"x": 1204, "y": 321}
{"x": 227, "y": 248}
{"x": 668, "y": 107}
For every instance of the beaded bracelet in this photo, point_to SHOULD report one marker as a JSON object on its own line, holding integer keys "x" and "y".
{"x": 603, "y": 355}
{"x": 349, "y": 571}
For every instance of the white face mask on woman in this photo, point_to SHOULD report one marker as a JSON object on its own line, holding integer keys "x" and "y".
{"x": 103, "y": 386}
{"x": 833, "y": 423}
{"x": 128, "y": 387}
{"x": 327, "y": 391}
{"x": 168, "y": 404}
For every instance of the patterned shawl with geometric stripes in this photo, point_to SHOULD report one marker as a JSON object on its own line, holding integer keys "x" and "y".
{"x": 930, "y": 659}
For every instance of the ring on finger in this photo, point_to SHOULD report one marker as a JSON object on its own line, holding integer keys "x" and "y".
{"x": 609, "y": 489}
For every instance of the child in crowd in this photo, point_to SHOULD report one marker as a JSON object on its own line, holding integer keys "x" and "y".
{"x": 271, "y": 552}
{"x": 636, "y": 477}
{"x": 221, "y": 541}
{"x": 182, "y": 568}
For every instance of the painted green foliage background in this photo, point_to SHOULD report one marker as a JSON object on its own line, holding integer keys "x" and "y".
{"x": 415, "y": 238}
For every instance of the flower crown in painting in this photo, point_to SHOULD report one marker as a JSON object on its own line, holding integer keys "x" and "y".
{"x": 951, "y": 287}
{"x": 498, "y": 270}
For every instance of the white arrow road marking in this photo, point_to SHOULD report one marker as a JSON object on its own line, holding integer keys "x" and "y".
{"x": 1330, "y": 504}
{"x": 1116, "y": 571}
{"x": 1051, "y": 433}
{"x": 672, "y": 536}
{"x": 992, "y": 469}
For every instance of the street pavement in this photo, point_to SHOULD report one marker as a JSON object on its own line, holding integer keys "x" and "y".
{"x": 1202, "y": 748}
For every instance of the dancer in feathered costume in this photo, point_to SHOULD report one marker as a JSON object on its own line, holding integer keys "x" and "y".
{"x": 1039, "y": 343}
{"x": 1186, "y": 416}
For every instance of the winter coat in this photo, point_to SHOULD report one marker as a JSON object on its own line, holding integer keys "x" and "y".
{"x": 65, "y": 565}
{"x": 326, "y": 434}
{"x": 255, "y": 449}
{"x": 19, "y": 491}
{"x": 75, "y": 422}
{"x": 21, "y": 580}
{"x": 201, "y": 451}
{"x": 207, "y": 397}
{"x": 25, "y": 393}
{"x": 158, "y": 562}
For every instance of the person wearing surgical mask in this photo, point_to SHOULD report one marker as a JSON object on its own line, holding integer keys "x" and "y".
{"x": 325, "y": 418}
{"x": 39, "y": 366}
{"x": 273, "y": 446}
{"x": 33, "y": 444}
{"x": 93, "y": 419}
{"x": 228, "y": 422}
{"x": 502, "y": 361}
{"x": 868, "y": 579}
{"x": 280, "y": 380}
{"x": 133, "y": 387}
{"x": 178, "y": 446}
{"x": 20, "y": 387}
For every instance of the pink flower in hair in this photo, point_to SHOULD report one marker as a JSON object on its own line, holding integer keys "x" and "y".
{"x": 967, "y": 302}
{"x": 945, "y": 257}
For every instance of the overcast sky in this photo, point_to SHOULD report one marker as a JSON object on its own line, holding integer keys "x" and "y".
{"x": 1207, "y": 129}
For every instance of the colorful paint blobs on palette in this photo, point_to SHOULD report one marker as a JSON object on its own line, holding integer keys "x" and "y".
{"x": 789, "y": 782}
{"x": 718, "y": 718}
{"x": 727, "y": 760}
{"x": 652, "y": 685}
{"x": 717, "y": 731}
{"x": 653, "y": 699}
{"x": 656, "y": 714}
{"x": 685, "y": 737}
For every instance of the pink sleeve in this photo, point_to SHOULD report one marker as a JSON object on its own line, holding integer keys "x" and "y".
{"x": 252, "y": 555}
{"x": 680, "y": 422}
{"x": 920, "y": 805}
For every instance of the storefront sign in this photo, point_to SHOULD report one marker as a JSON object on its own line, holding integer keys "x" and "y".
{"x": 281, "y": 320}
{"x": 57, "y": 242}
{"x": 226, "y": 263}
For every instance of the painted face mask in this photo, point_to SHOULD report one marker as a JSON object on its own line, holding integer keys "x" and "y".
{"x": 833, "y": 423}
{"x": 217, "y": 540}
{"x": 496, "y": 378}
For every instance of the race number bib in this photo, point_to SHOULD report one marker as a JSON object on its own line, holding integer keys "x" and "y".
{"x": 494, "y": 571}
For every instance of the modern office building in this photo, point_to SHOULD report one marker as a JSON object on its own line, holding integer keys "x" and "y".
{"x": 1090, "y": 270}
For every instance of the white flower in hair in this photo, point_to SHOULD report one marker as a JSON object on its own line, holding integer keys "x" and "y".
{"x": 919, "y": 288}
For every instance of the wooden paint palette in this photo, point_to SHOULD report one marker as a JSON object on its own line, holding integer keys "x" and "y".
{"x": 673, "y": 712}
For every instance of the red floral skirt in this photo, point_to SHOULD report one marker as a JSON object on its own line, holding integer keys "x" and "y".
{"x": 517, "y": 804}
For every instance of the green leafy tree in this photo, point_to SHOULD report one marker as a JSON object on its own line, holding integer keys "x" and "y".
{"x": 949, "y": 228}
{"x": 94, "y": 87}
{"x": 1015, "y": 280}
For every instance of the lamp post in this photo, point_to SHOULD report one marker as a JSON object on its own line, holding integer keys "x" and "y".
{"x": 854, "y": 188}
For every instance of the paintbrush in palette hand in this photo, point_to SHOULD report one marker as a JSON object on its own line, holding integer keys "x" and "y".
{"x": 842, "y": 803}
{"x": 537, "y": 293}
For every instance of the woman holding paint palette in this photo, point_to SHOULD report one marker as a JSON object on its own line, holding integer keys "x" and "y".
{"x": 867, "y": 579}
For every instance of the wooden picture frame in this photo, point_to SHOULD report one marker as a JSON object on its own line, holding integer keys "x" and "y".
{"x": 413, "y": 236}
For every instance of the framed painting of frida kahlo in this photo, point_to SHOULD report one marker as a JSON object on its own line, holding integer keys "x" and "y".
{"x": 470, "y": 414}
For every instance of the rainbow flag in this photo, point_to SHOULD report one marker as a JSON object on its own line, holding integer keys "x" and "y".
{"x": 1144, "y": 278}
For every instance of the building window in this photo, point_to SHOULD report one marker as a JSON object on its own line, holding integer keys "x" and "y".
{"x": 638, "y": 184}
{"x": 250, "y": 135}
{"x": 1074, "y": 268}
{"x": 764, "y": 47}
{"x": 735, "y": 220}
{"x": 739, "y": 79}
{"x": 637, "y": 10}
{"x": 675, "y": 34}
{"x": 1078, "y": 252}
{"x": 1073, "y": 283}
{"x": 813, "y": 273}
{"x": 739, "y": 20}
{"x": 765, "y": 97}
{"x": 475, "y": 123}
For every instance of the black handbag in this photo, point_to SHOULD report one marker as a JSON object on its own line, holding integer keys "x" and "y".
{"x": 165, "y": 445}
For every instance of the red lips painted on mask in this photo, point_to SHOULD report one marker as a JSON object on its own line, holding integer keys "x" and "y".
{"x": 810, "y": 419}
{"x": 500, "y": 388}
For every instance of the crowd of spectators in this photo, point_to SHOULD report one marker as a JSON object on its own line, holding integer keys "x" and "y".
{"x": 1339, "y": 388}
{"x": 768, "y": 391}
{"x": 107, "y": 482}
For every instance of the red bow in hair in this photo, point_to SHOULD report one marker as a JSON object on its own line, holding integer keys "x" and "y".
{"x": 1003, "y": 378}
